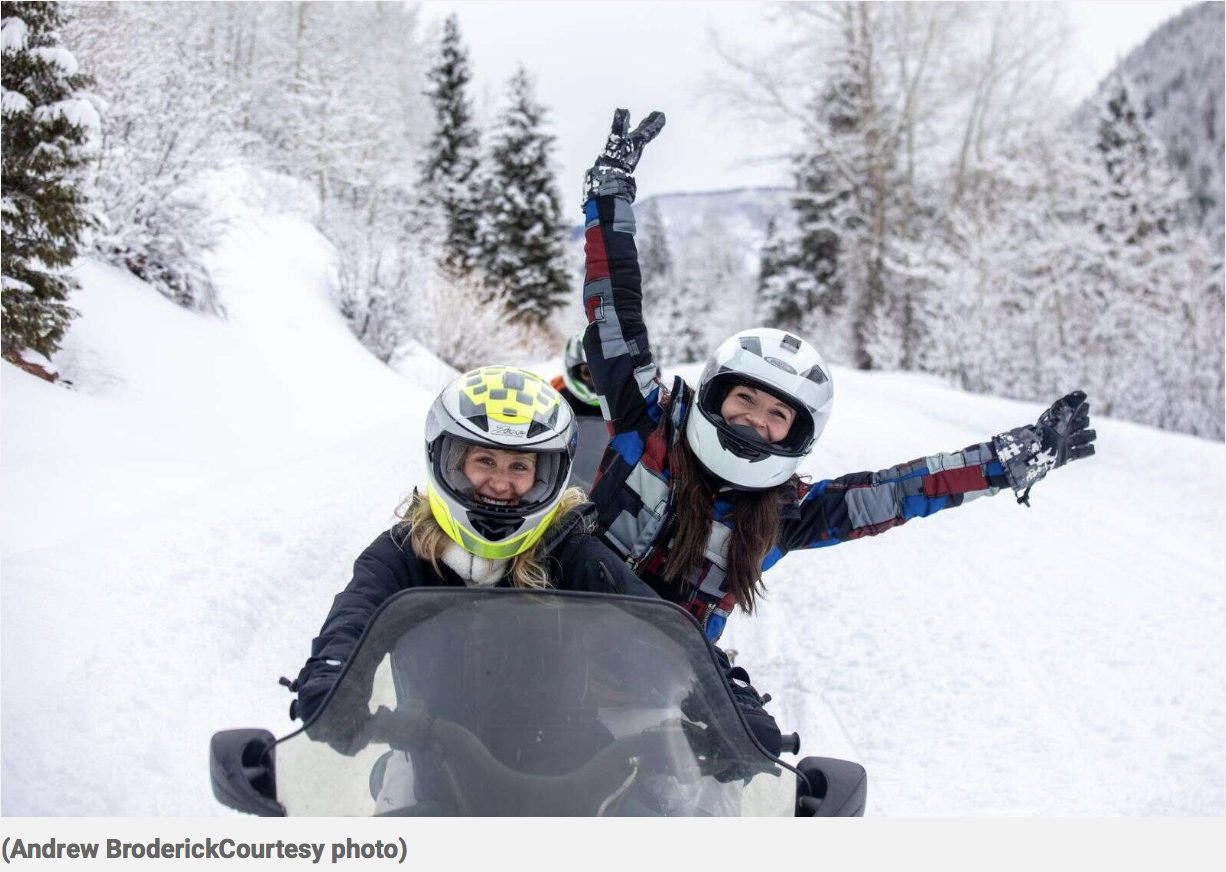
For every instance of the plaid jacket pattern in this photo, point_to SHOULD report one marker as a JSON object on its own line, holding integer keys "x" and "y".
{"x": 633, "y": 489}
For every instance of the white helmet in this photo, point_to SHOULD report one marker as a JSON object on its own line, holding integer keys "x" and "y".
{"x": 505, "y": 408}
{"x": 781, "y": 364}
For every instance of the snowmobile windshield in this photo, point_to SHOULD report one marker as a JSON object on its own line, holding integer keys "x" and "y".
{"x": 514, "y": 702}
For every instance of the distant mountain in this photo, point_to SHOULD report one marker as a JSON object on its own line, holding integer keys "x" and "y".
{"x": 1179, "y": 71}
{"x": 743, "y": 212}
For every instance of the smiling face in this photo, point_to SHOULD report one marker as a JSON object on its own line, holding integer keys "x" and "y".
{"x": 770, "y": 417}
{"x": 499, "y": 477}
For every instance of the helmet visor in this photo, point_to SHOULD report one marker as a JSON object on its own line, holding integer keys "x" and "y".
{"x": 551, "y": 473}
{"x": 745, "y": 441}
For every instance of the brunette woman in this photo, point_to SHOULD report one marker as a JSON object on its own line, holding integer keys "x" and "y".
{"x": 697, "y": 489}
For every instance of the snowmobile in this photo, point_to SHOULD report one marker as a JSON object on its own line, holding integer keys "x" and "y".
{"x": 465, "y": 701}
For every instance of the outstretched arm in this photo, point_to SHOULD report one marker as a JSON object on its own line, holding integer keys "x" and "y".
{"x": 868, "y": 503}
{"x": 616, "y": 344}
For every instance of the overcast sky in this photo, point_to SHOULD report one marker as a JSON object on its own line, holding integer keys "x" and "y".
{"x": 591, "y": 57}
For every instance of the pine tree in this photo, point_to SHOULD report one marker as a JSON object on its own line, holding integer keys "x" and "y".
{"x": 787, "y": 293}
{"x": 655, "y": 254}
{"x": 706, "y": 299}
{"x": 673, "y": 319}
{"x": 523, "y": 234}
{"x": 449, "y": 204}
{"x": 48, "y": 118}
{"x": 1152, "y": 278}
{"x": 834, "y": 276}
{"x": 1078, "y": 263}
{"x": 676, "y": 320}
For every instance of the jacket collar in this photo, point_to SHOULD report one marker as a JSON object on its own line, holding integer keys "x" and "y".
{"x": 578, "y": 521}
{"x": 679, "y": 400}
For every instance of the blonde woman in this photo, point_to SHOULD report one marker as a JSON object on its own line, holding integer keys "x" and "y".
{"x": 500, "y": 443}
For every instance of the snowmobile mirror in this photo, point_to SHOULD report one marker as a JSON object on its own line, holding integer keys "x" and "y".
{"x": 839, "y": 788}
{"x": 241, "y": 768}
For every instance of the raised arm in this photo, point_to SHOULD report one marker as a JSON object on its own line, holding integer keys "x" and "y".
{"x": 868, "y": 503}
{"x": 616, "y": 345}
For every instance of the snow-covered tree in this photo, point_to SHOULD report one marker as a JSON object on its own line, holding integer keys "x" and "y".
{"x": 830, "y": 274}
{"x": 996, "y": 279}
{"x": 330, "y": 94}
{"x": 449, "y": 207}
{"x": 368, "y": 193}
{"x": 819, "y": 268}
{"x": 707, "y": 298}
{"x": 49, "y": 121}
{"x": 651, "y": 239}
{"x": 1153, "y": 275}
{"x": 464, "y": 322}
{"x": 1178, "y": 76}
{"x": 169, "y": 124}
{"x": 883, "y": 101}
{"x": 1077, "y": 263}
{"x": 776, "y": 305}
{"x": 523, "y": 235}
{"x": 672, "y": 306}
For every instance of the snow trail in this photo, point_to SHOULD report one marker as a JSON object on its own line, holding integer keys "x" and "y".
{"x": 174, "y": 530}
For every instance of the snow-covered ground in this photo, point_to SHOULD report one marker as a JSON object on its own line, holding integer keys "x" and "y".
{"x": 173, "y": 530}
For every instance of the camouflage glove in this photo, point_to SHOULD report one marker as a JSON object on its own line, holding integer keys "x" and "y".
{"x": 613, "y": 172}
{"x": 1028, "y": 453}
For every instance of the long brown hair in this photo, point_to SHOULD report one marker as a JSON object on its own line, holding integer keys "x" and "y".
{"x": 756, "y": 520}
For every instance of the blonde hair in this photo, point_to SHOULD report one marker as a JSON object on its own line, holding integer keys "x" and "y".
{"x": 428, "y": 540}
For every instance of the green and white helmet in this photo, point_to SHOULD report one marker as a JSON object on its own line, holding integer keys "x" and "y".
{"x": 573, "y": 358}
{"x": 506, "y": 409}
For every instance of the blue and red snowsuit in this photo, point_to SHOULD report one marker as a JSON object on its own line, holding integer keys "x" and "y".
{"x": 633, "y": 490}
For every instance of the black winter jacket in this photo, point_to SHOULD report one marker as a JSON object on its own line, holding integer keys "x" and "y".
{"x": 576, "y": 561}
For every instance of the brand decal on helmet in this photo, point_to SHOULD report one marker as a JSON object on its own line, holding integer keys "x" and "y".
{"x": 504, "y": 430}
{"x": 783, "y": 365}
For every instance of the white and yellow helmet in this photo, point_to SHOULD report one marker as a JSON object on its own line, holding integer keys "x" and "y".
{"x": 507, "y": 409}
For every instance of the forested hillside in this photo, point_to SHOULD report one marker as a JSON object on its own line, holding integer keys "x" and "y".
{"x": 1179, "y": 74}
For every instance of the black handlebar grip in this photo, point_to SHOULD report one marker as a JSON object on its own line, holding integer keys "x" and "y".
{"x": 791, "y": 744}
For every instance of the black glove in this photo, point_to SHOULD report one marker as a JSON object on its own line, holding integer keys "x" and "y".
{"x": 752, "y": 705}
{"x": 345, "y": 722}
{"x": 613, "y": 172}
{"x": 347, "y": 732}
{"x": 1028, "y": 453}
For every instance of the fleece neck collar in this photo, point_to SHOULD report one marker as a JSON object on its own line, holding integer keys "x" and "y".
{"x": 475, "y": 571}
